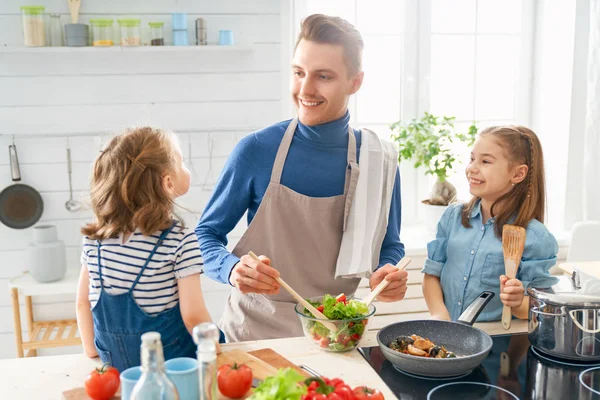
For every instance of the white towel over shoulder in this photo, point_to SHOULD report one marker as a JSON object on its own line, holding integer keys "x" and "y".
{"x": 370, "y": 209}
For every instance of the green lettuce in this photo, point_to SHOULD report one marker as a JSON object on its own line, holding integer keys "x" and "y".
{"x": 285, "y": 385}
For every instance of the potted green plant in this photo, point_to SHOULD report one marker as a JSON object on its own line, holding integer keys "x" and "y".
{"x": 432, "y": 142}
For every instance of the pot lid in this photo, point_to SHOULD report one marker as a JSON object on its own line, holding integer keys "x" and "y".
{"x": 570, "y": 291}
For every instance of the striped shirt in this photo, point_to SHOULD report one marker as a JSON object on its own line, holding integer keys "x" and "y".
{"x": 177, "y": 257}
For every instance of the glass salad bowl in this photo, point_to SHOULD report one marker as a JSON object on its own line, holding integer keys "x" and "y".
{"x": 350, "y": 316}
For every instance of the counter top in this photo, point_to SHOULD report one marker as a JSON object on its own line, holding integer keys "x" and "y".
{"x": 48, "y": 377}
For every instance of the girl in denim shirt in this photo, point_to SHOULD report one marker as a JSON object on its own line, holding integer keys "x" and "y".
{"x": 506, "y": 179}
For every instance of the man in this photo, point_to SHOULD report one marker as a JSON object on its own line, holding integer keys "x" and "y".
{"x": 297, "y": 180}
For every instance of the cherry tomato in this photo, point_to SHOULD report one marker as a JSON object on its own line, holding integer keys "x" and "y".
{"x": 364, "y": 393}
{"x": 102, "y": 383}
{"x": 234, "y": 380}
{"x": 341, "y": 298}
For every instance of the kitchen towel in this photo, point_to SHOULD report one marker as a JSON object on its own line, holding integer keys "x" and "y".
{"x": 370, "y": 209}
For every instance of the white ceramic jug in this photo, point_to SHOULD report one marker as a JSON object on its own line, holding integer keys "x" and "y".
{"x": 46, "y": 256}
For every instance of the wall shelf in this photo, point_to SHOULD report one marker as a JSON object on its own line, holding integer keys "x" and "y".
{"x": 126, "y": 49}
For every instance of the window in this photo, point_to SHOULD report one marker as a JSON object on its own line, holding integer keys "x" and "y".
{"x": 465, "y": 58}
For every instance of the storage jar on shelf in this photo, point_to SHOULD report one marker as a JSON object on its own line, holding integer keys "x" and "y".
{"x": 130, "y": 32}
{"x": 102, "y": 32}
{"x": 157, "y": 33}
{"x": 34, "y": 29}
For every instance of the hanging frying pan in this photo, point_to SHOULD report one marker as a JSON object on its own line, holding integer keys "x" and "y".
{"x": 21, "y": 206}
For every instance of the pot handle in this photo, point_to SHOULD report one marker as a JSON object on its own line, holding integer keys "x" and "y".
{"x": 469, "y": 316}
{"x": 572, "y": 315}
{"x": 536, "y": 310}
{"x": 14, "y": 163}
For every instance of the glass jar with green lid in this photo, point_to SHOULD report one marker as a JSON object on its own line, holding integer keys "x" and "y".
{"x": 130, "y": 32}
{"x": 157, "y": 33}
{"x": 102, "y": 32}
{"x": 34, "y": 29}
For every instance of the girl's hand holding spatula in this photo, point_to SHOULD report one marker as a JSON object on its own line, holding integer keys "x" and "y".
{"x": 511, "y": 291}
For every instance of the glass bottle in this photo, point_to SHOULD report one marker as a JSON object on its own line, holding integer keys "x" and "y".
{"x": 206, "y": 337}
{"x": 56, "y": 33}
{"x": 154, "y": 383}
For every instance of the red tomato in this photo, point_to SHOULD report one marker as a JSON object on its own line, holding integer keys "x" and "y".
{"x": 341, "y": 298}
{"x": 323, "y": 388}
{"x": 324, "y": 342}
{"x": 102, "y": 383}
{"x": 234, "y": 380}
{"x": 363, "y": 393}
{"x": 321, "y": 308}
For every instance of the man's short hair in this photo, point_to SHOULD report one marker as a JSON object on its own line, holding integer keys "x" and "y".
{"x": 335, "y": 30}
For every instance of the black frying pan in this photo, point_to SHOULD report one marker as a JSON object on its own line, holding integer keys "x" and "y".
{"x": 471, "y": 345}
{"x": 21, "y": 206}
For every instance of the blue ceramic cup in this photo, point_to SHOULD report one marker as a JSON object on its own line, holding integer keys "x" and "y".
{"x": 129, "y": 378}
{"x": 183, "y": 372}
{"x": 226, "y": 38}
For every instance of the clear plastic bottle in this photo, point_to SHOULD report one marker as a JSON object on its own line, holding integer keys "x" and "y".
{"x": 206, "y": 337}
{"x": 154, "y": 383}
{"x": 56, "y": 31}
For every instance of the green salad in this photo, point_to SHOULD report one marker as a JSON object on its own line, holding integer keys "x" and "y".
{"x": 338, "y": 308}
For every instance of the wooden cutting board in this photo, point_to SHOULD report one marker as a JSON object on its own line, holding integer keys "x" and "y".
{"x": 262, "y": 362}
{"x": 80, "y": 394}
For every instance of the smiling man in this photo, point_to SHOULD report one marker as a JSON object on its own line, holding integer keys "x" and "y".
{"x": 297, "y": 180}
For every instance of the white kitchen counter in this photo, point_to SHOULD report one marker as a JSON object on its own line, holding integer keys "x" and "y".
{"x": 47, "y": 377}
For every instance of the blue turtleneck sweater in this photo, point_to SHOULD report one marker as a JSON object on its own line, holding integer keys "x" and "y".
{"x": 315, "y": 166}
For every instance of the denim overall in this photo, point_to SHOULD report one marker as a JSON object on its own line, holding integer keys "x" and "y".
{"x": 119, "y": 323}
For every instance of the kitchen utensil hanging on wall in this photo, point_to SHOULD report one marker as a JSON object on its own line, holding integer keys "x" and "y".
{"x": 71, "y": 204}
{"x": 21, "y": 206}
{"x": 209, "y": 179}
{"x": 74, "y": 8}
{"x": 190, "y": 163}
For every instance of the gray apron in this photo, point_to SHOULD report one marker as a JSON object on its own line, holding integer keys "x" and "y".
{"x": 302, "y": 236}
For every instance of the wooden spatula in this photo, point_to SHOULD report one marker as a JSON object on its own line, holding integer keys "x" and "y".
{"x": 318, "y": 314}
{"x": 74, "y": 8}
{"x": 379, "y": 288}
{"x": 513, "y": 243}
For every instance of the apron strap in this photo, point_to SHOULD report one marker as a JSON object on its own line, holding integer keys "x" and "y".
{"x": 283, "y": 151}
{"x": 352, "y": 173}
{"x": 162, "y": 237}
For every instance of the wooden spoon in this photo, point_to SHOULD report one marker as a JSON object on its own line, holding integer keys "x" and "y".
{"x": 383, "y": 284}
{"x": 74, "y": 8}
{"x": 318, "y": 314}
{"x": 513, "y": 244}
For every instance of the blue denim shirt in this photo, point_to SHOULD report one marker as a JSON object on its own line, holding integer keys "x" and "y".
{"x": 470, "y": 261}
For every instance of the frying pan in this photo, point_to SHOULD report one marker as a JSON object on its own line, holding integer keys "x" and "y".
{"x": 21, "y": 206}
{"x": 470, "y": 344}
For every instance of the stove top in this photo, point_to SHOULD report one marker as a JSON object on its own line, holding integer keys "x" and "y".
{"x": 512, "y": 370}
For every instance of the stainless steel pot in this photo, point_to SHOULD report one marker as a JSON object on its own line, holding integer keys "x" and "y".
{"x": 564, "y": 320}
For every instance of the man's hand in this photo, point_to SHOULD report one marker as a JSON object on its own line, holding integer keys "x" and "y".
{"x": 253, "y": 276}
{"x": 397, "y": 287}
{"x": 511, "y": 291}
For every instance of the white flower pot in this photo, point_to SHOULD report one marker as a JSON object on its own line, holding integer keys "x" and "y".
{"x": 46, "y": 256}
{"x": 432, "y": 215}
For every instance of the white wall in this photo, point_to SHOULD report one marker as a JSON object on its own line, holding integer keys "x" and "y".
{"x": 206, "y": 96}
